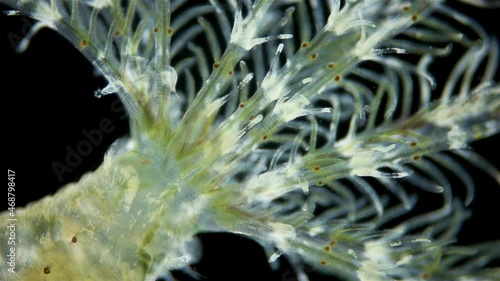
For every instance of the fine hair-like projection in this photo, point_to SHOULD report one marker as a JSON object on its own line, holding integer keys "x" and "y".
{"x": 343, "y": 136}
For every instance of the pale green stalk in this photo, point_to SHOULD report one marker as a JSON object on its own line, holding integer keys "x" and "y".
{"x": 261, "y": 150}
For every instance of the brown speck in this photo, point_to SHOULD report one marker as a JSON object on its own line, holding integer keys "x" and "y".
{"x": 216, "y": 65}
{"x": 414, "y": 17}
{"x": 316, "y": 168}
{"x": 337, "y": 78}
{"x": 406, "y": 8}
{"x": 333, "y": 243}
{"x": 74, "y": 240}
{"x": 426, "y": 275}
{"x": 413, "y": 144}
{"x": 320, "y": 183}
{"x": 230, "y": 73}
{"x": 304, "y": 44}
{"x": 170, "y": 31}
{"x": 265, "y": 137}
{"x": 331, "y": 65}
{"x": 251, "y": 118}
{"x": 83, "y": 43}
{"x": 46, "y": 270}
{"x": 323, "y": 263}
{"x": 326, "y": 248}
{"x": 416, "y": 158}
{"x": 314, "y": 56}
{"x": 242, "y": 105}
{"x": 155, "y": 30}
{"x": 117, "y": 33}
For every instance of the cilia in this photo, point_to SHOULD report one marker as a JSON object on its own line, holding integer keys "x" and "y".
{"x": 314, "y": 127}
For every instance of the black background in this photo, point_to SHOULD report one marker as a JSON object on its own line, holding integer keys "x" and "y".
{"x": 47, "y": 100}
